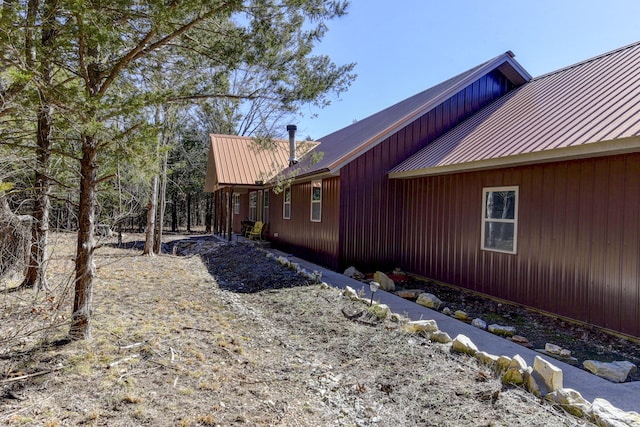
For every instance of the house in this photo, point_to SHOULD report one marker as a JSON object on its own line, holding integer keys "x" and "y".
{"x": 237, "y": 169}
{"x": 525, "y": 189}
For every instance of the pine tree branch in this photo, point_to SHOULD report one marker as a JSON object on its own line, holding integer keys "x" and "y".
{"x": 142, "y": 49}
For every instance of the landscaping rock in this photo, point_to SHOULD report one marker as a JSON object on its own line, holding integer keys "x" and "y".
{"x": 462, "y": 344}
{"x": 503, "y": 331}
{"x": 605, "y": 414}
{"x": 353, "y": 273}
{"x": 441, "y": 337}
{"x": 504, "y": 362}
{"x": 409, "y": 293}
{"x": 429, "y": 300}
{"x": 614, "y": 371}
{"x": 521, "y": 340}
{"x": 421, "y": 326}
{"x": 549, "y": 376}
{"x": 349, "y": 292}
{"x": 517, "y": 371}
{"x": 479, "y": 323}
{"x": 446, "y": 311}
{"x": 552, "y": 348}
{"x": 571, "y": 401}
{"x": 386, "y": 284}
{"x": 461, "y": 315}
{"x": 486, "y": 358}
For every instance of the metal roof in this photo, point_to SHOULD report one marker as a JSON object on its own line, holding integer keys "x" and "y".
{"x": 588, "y": 109}
{"x": 342, "y": 146}
{"x": 240, "y": 160}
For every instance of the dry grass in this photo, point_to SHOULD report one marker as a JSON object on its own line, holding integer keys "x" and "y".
{"x": 171, "y": 348}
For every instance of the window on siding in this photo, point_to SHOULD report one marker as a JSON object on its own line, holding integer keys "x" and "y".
{"x": 236, "y": 203}
{"x": 253, "y": 206}
{"x": 286, "y": 206}
{"x": 500, "y": 219}
{"x": 316, "y": 201}
{"x": 265, "y": 206}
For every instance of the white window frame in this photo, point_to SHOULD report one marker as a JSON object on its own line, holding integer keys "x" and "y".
{"x": 236, "y": 203}
{"x": 513, "y": 221}
{"x": 286, "y": 204}
{"x": 253, "y": 206}
{"x": 316, "y": 185}
{"x": 265, "y": 206}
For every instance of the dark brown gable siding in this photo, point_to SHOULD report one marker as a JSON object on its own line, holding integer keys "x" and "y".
{"x": 370, "y": 203}
{"x": 578, "y": 237}
{"x": 314, "y": 241}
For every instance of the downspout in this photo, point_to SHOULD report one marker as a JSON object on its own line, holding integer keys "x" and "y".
{"x": 292, "y": 144}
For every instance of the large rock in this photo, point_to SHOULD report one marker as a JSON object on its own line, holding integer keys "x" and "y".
{"x": 429, "y": 300}
{"x": 353, "y": 273}
{"x": 606, "y": 415}
{"x": 479, "y": 323}
{"x": 571, "y": 401}
{"x": 461, "y": 315}
{"x": 487, "y": 359}
{"x": 548, "y": 376}
{"x": 350, "y": 293}
{"x": 422, "y": 326}
{"x": 386, "y": 284}
{"x": 503, "y": 331}
{"x": 517, "y": 373}
{"x": 614, "y": 371}
{"x": 463, "y": 344}
{"x": 441, "y": 337}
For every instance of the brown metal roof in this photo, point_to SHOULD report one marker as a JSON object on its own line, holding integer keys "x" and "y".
{"x": 588, "y": 109}
{"x": 239, "y": 160}
{"x": 342, "y": 146}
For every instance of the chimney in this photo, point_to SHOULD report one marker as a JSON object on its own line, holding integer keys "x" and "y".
{"x": 292, "y": 144}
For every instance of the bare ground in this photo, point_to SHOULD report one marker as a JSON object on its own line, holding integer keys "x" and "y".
{"x": 229, "y": 337}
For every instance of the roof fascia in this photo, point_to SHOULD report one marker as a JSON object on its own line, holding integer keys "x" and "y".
{"x": 584, "y": 151}
{"x": 498, "y": 62}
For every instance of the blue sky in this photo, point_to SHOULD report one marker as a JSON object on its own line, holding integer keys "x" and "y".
{"x": 402, "y": 47}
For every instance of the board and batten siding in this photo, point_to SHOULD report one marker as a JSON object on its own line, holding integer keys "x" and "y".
{"x": 578, "y": 245}
{"x": 370, "y": 205}
{"x": 314, "y": 241}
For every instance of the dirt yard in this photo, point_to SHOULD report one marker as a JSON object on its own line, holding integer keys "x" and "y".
{"x": 229, "y": 337}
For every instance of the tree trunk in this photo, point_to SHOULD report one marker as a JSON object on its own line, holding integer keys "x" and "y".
{"x": 85, "y": 267}
{"x": 151, "y": 217}
{"x": 163, "y": 205}
{"x": 174, "y": 214}
{"x": 188, "y": 212}
{"x": 35, "y": 275}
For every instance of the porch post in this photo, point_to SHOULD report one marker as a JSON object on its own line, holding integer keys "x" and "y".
{"x": 230, "y": 213}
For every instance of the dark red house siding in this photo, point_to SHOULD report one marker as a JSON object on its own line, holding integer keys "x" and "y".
{"x": 369, "y": 205}
{"x": 578, "y": 251}
{"x": 314, "y": 241}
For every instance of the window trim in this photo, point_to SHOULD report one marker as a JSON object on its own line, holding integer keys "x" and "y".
{"x": 514, "y": 221}
{"x": 286, "y": 204}
{"x": 253, "y": 205}
{"x": 316, "y": 184}
{"x": 236, "y": 203}
{"x": 265, "y": 206}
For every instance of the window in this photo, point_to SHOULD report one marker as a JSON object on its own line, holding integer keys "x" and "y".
{"x": 265, "y": 206}
{"x": 316, "y": 201}
{"x": 500, "y": 219}
{"x": 253, "y": 206}
{"x": 236, "y": 203}
{"x": 286, "y": 207}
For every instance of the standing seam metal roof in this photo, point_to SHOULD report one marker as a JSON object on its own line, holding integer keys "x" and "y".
{"x": 344, "y": 145}
{"x": 239, "y": 160}
{"x": 590, "y": 102}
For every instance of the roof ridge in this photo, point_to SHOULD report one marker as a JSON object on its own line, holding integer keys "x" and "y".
{"x": 586, "y": 61}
